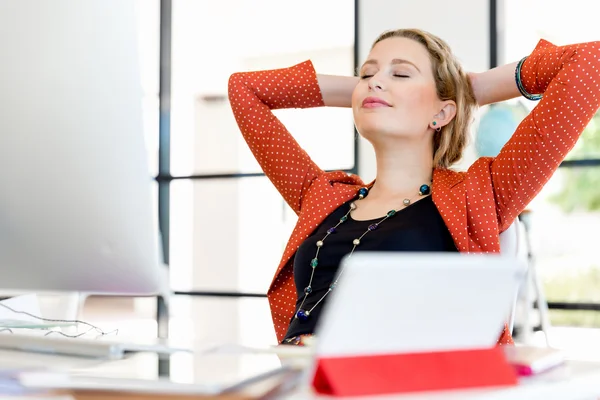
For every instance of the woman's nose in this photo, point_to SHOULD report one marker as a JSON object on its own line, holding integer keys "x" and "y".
{"x": 375, "y": 84}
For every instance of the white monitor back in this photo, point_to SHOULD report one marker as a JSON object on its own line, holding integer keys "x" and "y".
{"x": 76, "y": 208}
{"x": 417, "y": 302}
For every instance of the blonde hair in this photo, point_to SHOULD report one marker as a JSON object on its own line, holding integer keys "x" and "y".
{"x": 451, "y": 83}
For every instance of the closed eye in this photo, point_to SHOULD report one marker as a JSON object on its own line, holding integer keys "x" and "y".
{"x": 396, "y": 75}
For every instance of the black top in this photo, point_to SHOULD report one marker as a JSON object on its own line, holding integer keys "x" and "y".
{"x": 418, "y": 227}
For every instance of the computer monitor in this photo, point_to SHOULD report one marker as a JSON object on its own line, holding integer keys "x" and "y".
{"x": 76, "y": 208}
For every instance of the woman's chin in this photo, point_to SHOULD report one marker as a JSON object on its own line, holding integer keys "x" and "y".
{"x": 376, "y": 131}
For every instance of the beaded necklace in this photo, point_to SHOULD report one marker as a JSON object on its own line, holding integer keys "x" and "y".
{"x": 303, "y": 314}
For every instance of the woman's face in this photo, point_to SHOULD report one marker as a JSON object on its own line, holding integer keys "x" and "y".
{"x": 396, "y": 95}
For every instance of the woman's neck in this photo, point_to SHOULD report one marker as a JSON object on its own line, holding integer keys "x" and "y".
{"x": 401, "y": 171}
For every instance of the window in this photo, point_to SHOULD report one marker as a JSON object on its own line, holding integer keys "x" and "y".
{"x": 228, "y": 231}
{"x": 566, "y": 214}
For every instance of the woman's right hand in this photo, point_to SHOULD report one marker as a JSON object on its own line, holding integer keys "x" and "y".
{"x": 337, "y": 90}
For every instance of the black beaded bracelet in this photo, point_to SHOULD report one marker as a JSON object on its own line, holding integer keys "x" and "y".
{"x": 527, "y": 95}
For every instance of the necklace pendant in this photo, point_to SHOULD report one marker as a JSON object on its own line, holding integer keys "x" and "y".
{"x": 406, "y": 202}
{"x": 303, "y": 315}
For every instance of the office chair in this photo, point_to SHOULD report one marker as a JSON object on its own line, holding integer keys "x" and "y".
{"x": 515, "y": 240}
{"x": 511, "y": 243}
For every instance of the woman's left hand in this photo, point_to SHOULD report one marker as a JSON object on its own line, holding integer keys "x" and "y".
{"x": 496, "y": 85}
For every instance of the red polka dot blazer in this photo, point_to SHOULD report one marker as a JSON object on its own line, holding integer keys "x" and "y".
{"x": 476, "y": 205}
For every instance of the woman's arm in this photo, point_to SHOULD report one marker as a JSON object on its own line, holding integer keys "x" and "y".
{"x": 568, "y": 77}
{"x": 253, "y": 96}
{"x": 337, "y": 90}
{"x": 496, "y": 85}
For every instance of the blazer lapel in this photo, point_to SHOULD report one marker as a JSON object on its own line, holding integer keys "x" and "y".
{"x": 336, "y": 188}
{"x": 450, "y": 199}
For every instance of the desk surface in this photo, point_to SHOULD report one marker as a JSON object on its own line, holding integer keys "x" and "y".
{"x": 189, "y": 373}
{"x": 574, "y": 380}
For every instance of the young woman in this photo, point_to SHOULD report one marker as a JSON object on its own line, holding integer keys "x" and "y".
{"x": 414, "y": 103}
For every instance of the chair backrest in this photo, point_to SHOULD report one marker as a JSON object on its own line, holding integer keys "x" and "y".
{"x": 512, "y": 242}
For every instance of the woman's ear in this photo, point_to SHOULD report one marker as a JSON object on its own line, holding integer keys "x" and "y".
{"x": 447, "y": 112}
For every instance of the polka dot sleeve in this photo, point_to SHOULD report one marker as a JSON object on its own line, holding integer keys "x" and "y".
{"x": 569, "y": 78}
{"x": 252, "y": 96}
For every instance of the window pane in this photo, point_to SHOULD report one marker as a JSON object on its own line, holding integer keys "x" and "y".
{"x": 565, "y": 226}
{"x": 227, "y": 234}
{"x": 205, "y": 137}
{"x": 193, "y": 321}
{"x": 578, "y": 23}
{"x": 588, "y": 145}
{"x": 242, "y": 320}
{"x": 565, "y": 216}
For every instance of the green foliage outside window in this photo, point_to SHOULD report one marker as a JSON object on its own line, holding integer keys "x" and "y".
{"x": 581, "y": 188}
